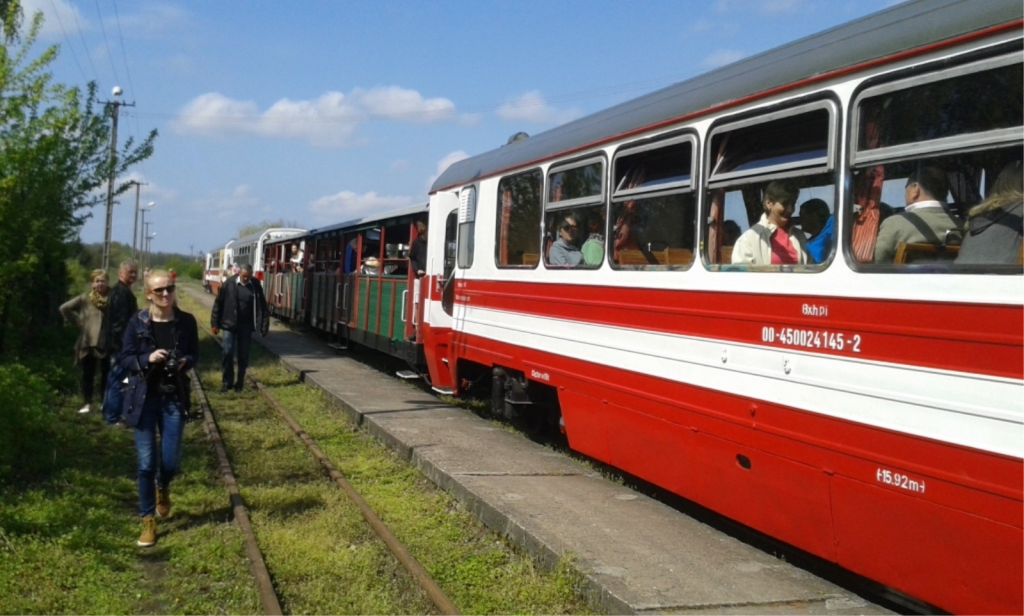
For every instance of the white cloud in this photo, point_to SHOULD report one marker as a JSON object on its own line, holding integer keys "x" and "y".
{"x": 399, "y": 166}
{"x": 444, "y": 163}
{"x": 347, "y": 205}
{"x": 328, "y": 121}
{"x": 56, "y": 13}
{"x": 722, "y": 57}
{"x": 531, "y": 107}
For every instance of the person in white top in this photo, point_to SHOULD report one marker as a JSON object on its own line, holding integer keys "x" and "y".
{"x": 771, "y": 241}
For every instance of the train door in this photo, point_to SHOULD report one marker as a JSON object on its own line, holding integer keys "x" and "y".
{"x": 441, "y": 252}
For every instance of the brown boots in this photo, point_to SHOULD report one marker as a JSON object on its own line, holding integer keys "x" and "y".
{"x": 163, "y": 501}
{"x": 148, "y": 536}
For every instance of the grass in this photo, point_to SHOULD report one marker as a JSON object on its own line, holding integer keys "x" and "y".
{"x": 315, "y": 541}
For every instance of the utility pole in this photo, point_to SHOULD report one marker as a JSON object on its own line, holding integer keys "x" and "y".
{"x": 145, "y": 243}
{"x": 113, "y": 169}
{"x": 135, "y": 226}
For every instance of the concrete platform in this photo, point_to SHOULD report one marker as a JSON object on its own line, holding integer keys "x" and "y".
{"x": 636, "y": 554}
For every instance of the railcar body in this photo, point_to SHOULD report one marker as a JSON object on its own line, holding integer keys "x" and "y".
{"x": 362, "y": 288}
{"x": 216, "y": 270}
{"x": 249, "y": 249}
{"x": 286, "y": 278}
{"x": 869, "y": 412}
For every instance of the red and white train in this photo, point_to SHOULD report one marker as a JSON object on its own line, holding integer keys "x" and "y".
{"x": 220, "y": 264}
{"x": 867, "y": 412}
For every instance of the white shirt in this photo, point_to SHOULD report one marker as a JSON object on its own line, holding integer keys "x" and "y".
{"x": 921, "y": 205}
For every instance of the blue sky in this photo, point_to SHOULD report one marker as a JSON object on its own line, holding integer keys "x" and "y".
{"x": 318, "y": 112}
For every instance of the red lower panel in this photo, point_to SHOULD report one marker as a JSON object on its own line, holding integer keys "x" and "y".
{"x": 589, "y": 421}
{"x": 958, "y": 561}
{"x": 785, "y": 499}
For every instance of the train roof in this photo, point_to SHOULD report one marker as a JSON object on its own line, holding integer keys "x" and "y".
{"x": 280, "y": 232}
{"x": 412, "y": 212}
{"x": 900, "y": 28}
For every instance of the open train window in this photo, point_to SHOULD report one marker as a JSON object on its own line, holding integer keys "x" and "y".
{"x": 937, "y": 183}
{"x": 771, "y": 191}
{"x": 518, "y": 220}
{"x": 653, "y": 206}
{"x": 574, "y": 216}
{"x": 467, "y": 226}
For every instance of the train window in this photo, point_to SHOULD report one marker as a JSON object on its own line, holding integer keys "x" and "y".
{"x": 467, "y": 226}
{"x": 653, "y": 206}
{"x": 771, "y": 191}
{"x": 937, "y": 183}
{"x": 518, "y": 220}
{"x": 574, "y": 220}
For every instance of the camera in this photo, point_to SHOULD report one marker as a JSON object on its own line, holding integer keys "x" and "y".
{"x": 169, "y": 384}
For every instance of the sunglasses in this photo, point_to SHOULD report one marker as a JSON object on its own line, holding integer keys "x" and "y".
{"x": 163, "y": 290}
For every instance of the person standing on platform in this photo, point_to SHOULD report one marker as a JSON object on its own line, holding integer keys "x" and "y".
{"x": 121, "y": 306}
{"x": 239, "y": 310}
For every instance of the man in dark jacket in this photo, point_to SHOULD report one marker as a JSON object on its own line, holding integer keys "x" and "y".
{"x": 240, "y": 310}
{"x": 121, "y": 306}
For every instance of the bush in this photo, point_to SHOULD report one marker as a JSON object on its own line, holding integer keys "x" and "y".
{"x": 195, "y": 271}
{"x": 26, "y": 415}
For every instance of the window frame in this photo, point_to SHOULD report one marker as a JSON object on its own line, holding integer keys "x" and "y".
{"x": 683, "y": 187}
{"x": 540, "y": 224}
{"x": 579, "y": 201}
{"x": 784, "y": 170}
{"x": 942, "y": 145}
{"x": 467, "y": 216}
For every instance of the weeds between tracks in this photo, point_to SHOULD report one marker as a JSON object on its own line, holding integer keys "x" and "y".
{"x": 316, "y": 543}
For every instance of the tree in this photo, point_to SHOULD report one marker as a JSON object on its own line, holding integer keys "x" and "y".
{"x": 53, "y": 160}
{"x": 263, "y": 225}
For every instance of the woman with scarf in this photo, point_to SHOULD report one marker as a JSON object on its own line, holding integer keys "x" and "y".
{"x": 89, "y": 312}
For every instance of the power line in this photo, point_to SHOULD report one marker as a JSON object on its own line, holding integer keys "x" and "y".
{"x": 106, "y": 42}
{"x": 131, "y": 86}
{"x": 78, "y": 25}
{"x": 68, "y": 40}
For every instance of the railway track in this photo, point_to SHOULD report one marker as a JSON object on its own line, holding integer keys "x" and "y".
{"x": 268, "y": 596}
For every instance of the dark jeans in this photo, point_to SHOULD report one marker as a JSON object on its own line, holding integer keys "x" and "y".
{"x": 159, "y": 414}
{"x": 238, "y": 340}
{"x": 89, "y": 364}
{"x": 113, "y": 398}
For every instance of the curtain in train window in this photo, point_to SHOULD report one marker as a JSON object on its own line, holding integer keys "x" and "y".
{"x": 518, "y": 220}
{"x": 653, "y": 209}
{"x": 771, "y": 197}
{"x": 574, "y": 219}
{"x": 938, "y": 163}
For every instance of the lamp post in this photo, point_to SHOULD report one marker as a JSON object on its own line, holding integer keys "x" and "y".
{"x": 149, "y": 248}
{"x": 135, "y": 227}
{"x": 142, "y": 246}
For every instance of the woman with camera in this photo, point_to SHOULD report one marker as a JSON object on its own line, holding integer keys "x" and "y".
{"x": 160, "y": 344}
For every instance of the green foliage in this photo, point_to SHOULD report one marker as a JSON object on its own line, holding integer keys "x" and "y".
{"x": 23, "y": 417}
{"x": 263, "y": 225}
{"x": 54, "y": 158}
{"x": 195, "y": 271}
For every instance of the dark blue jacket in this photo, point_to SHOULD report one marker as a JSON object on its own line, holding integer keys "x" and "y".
{"x": 139, "y": 343}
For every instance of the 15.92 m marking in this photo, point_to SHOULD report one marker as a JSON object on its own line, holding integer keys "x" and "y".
{"x": 899, "y": 480}
{"x": 811, "y": 338}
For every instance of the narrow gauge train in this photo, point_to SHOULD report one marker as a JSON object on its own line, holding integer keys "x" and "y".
{"x": 353, "y": 281}
{"x": 865, "y": 406}
{"x": 245, "y": 250}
